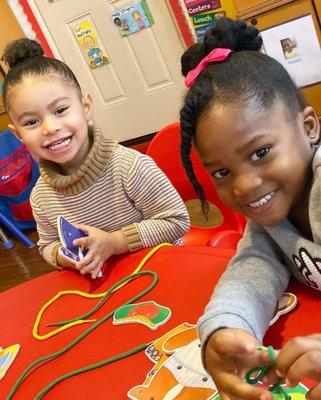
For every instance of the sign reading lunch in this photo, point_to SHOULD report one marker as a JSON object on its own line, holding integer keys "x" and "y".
{"x": 202, "y": 15}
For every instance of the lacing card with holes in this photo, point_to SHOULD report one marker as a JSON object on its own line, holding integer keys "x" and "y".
{"x": 178, "y": 369}
{"x": 67, "y": 234}
{"x": 148, "y": 313}
{"x": 296, "y": 393}
{"x": 7, "y": 356}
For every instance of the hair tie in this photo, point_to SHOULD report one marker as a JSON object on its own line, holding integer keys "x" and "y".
{"x": 216, "y": 55}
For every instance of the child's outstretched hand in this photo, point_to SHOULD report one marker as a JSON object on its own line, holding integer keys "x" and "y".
{"x": 229, "y": 354}
{"x": 100, "y": 246}
{"x": 301, "y": 358}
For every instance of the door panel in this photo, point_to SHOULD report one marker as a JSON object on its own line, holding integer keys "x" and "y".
{"x": 141, "y": 89}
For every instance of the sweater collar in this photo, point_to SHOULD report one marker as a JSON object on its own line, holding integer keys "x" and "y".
{"x": 88, "y": 173}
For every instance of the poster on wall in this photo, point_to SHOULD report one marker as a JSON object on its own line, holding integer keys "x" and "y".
{"x": 296, "y": 46}
{"x": 195, "y": 7}
{"x": 202, "y": 15}
{"x": 203, "y": 22}
{"x": 132, "y": 18}
{"x": 87, "y": 40}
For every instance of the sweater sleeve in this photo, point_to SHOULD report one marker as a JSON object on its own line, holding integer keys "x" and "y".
{"x": 164, "y": 215}
{"x": 48, "y": 236}
{"x": 249, "y": 289}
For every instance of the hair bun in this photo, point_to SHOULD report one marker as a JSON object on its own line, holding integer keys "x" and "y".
{"x": 191, "y": 58}
{"x": 20, "y": 50}
{"x": 232, "y": 34}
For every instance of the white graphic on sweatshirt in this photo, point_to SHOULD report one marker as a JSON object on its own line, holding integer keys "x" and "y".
{"x": 309, "y": 268}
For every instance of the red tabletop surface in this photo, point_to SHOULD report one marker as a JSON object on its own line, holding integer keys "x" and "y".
{"x": 187, "y": 276}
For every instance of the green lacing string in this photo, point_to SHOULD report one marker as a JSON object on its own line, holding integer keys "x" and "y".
{"x": 260, "y": 372}
{"x": 58, "y": 353}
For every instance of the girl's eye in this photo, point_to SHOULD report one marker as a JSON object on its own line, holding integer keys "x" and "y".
{"x": 31, "y": 122}
{"x": 221, "y": 173}
{"x": 260, "y": 154}
{"x": 61, "y": 110}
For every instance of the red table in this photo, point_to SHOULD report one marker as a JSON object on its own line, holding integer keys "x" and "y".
{"x": 187, "y": 276}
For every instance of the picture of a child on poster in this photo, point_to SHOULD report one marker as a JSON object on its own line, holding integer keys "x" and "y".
{"x": 122, "y": 25}
{"x": 295, "y": 45}
{"x": 290, "y": 50}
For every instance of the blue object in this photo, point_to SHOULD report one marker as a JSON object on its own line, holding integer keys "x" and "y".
{"x": 15, "y": 231}
{"x": 18, "y": 174}
{"x": 6, "y": 243}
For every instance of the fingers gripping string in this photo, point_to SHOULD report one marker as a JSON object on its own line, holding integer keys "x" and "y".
{"x": 256, "y": 375}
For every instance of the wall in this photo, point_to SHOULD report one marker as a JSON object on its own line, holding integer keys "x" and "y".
{"x": 176, "y": 7}
{"x": 265, "y": 15}
{"x": 9, "y": 30}
{"x": 9, "y": 27}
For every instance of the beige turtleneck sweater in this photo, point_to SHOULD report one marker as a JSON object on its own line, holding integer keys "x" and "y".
{"x": 115, "y": 188}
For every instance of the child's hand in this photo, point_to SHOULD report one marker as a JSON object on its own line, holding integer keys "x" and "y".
{"x": 100, "y": 245}
{"x": 301, "y": 358}
{"x": 229, "y": 354}
{"x": 61, "y": 261}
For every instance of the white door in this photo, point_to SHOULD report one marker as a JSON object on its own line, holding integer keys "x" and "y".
{"x": 141, "y": 89}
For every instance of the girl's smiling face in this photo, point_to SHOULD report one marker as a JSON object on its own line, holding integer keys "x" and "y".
{"x": 51, "y": 119}
{"x": 259, "y": 159}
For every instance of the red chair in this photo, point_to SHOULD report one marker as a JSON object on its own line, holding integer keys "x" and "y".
{"x": 165, "y": 150}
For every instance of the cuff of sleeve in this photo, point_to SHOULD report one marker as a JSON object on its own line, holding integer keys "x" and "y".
{"x": 132, "y": 237}
{"x": 207, "y": 325}
{"x": 49, "y": 253}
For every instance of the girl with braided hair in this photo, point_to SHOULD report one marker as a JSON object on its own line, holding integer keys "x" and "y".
{"x": 259, "y": 141}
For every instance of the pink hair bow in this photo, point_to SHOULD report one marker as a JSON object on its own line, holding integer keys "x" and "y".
{"x": 216, "y": 55}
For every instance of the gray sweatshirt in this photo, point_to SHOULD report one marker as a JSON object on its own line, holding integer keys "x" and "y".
{"x": 258, "y": 274}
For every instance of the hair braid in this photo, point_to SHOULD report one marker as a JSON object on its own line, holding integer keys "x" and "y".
{"x": 195, "y": 104}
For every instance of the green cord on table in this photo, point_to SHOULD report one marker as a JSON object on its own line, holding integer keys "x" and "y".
{"x": 99, "y": 364}
{"x": 260, "y": 372}
{"x": 58, "y": 353}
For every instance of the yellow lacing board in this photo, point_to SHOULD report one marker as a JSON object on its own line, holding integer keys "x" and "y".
{"x": 62, "y": 328}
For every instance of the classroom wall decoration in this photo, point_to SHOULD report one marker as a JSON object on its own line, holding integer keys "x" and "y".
{"x": 200, "y": 6}
{"x": 132, "y": 18}
{"x": 87, "y": 40}
{"x": 295, "y": 45}
{"x": 201, "y": 15}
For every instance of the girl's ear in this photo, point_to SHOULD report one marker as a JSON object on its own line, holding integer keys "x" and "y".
{"x": 15, "y": 132}
{"x": 311, "y": 125}
{"x": 87, "y": 106}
